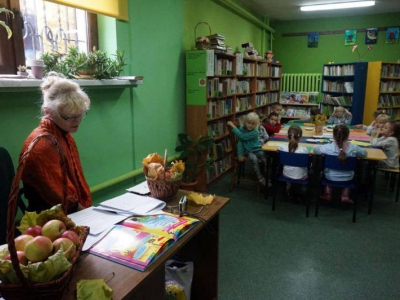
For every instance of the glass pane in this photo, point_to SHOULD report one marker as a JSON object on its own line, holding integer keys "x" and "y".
{"x": 50, "y": 27}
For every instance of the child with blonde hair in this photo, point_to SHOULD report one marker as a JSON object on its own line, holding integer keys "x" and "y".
{"x": 340, "y": 116}
{"x": 342, "y": 148}
{"x": 248, "y": 144}
{"x": 377, "y": 125}
{"x": 388, "y": 138}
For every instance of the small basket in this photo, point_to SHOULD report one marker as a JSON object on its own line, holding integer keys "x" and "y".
{"x": 25, "y": 289}
{"x": 201, "y": 45}
{"x": 163, "y": 189}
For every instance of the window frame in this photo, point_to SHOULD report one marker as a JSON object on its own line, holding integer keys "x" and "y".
{"x": 12, "y": 52}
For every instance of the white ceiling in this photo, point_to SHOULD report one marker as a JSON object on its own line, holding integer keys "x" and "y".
{"x": 285, "y": 10}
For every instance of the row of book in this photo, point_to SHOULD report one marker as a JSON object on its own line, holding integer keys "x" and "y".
{"x": 219, "y": 150}
{"x": 345, "y": 100}
{"x": 390, "y": 86}
{"x": 298, "y": 97}
{"x": 390, "y": 70}
{"x": 251, "y": 68}
{"x": 243, "y": 86}
{"x": 263, "y": 70}
{"x": 223, "y": 67}
{"x": 217, "y": 128}
{"x": 274, "y": 84}
{"x": 342, "y": 70}
{"x": 217, "y": 42}
{"x": 389, "y": 100}
{"x": 296, "y": 111}
{"x": 219, "y": 108}
{"x": 218, "y": 87}
{"x": 263, "y": 99}
{"x": 275, "y": 71}
{"x": 219, "y": 167}
{"x": 338, "y": 87}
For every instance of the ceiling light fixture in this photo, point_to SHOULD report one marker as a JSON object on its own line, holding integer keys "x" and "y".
{"x": 337, "y": 5}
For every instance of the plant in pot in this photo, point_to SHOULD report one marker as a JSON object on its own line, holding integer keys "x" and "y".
{"x": 22, "y": 70}
{"x": 192, "y": 152}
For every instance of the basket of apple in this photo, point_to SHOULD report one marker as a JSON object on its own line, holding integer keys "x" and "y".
{"x": 39, "y": 262}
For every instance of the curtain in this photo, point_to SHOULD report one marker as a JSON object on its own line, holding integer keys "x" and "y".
{"x": 115, "y": 8}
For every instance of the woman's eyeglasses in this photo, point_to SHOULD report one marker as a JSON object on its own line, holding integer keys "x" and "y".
{"x": 80, "y": 117}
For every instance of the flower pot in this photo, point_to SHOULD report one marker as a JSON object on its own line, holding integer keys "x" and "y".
{"x": 189, "y": 186}
{"x": 319, "y": 128}
{"x": 37, "y": 67}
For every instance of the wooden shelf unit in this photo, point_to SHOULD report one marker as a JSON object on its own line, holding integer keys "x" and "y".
{"x": 344, "y": 85}
{"x": 224, "y": 87}
{"x": 383, "y": 90}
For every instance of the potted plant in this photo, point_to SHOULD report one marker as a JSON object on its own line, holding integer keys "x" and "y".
{"x": 2, "y": 23}
{"x": 22, "y": 70}
{"x": 192, "y": 152}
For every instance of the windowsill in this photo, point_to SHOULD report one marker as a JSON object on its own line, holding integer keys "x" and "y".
{"x": 12, "y": 85}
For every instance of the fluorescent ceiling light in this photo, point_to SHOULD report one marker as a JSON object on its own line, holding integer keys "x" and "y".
{"x": 337, "y": 5}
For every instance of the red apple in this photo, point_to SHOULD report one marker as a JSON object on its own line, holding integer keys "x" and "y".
{"x": 53, "y": 229}
{"x": 34, "y": 230}
{"x": 39, "y": 248}
{"x": 66, "y": 243}
{"x": 21, "y": 241}
{"x": 21, "y": 258}
{"x": 72, "y": 235}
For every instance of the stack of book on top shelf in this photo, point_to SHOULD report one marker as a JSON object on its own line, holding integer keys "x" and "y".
{"x": 217, "y": 42}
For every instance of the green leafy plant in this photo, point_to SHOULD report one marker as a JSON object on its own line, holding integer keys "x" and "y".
{"x": 2, "y": 23}
{"x": 192, "y": 152}
{"x": 74, "y": 64}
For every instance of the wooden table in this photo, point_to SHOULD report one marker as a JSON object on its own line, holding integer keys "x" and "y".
{"x": 373, "y": 156}
{"x": 199, "y": 245}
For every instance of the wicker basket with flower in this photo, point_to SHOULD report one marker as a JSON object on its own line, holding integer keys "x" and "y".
{"x": 163, "y": 181}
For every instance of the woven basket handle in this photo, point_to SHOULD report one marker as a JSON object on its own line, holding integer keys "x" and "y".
{"x": 195, "y": 29}
{"x": 12, "y": 202}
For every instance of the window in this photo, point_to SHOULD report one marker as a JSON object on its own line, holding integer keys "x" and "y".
{"x": 39, "y": 26}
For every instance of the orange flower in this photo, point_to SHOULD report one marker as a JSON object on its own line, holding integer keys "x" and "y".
{"x": 152, "y": 158}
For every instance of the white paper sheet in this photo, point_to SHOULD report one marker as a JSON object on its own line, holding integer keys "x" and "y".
{"x": 141, "y": 189}
{"x": 134, "y": 203}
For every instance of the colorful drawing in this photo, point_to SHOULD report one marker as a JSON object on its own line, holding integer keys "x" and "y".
{"x": 350, "y": 37}
{"x": 313, "y": 39}
{"x": 371, "y": 35}
{"x": 392, "y": 35}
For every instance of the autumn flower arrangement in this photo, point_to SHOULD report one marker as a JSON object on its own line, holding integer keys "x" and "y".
{"x": 163, "y": 181}
{"x": 153, "y": 167}
{"x": 319, "y": 119}
{"x": 360, "y": 56}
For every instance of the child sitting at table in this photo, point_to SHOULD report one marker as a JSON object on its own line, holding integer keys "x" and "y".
{"x": 272, "y": 125}
{"x": 378, "y": 124}
{"x": 248, "y": 144}
{"x": 342, "y": 148}
{"x": 370, "y": 127}
{"x": 294, "y": 135}
{"x": 388, "y": 138}
{"x": 340, "y": 116}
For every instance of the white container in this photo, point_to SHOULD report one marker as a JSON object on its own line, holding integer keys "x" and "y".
{"x": 37, "y": 67}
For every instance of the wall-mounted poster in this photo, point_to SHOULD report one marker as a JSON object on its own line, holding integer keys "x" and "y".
{"x": 313, "y": 40}
{"x": 350, "y": 37}
{"x": 392, "y": 35}
{"x": 371, "y": 35}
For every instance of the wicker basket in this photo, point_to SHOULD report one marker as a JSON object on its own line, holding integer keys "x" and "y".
{"x": 163, "y": 189}
{"x": 200, "y": 45}
{"x": 26, "y": 289}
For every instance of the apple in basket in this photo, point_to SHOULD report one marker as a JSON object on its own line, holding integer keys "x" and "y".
{"x": 72, "y": 235}
{"x": 53, "y": 229}
{"x": 35, "y": 230}
{"x": 66, "y": 243}
{"x": 21, "y": 258}
{"x": 21, "y": 241}
{"x": 39, "y": 248}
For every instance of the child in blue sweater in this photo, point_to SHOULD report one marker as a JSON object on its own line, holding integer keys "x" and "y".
{"x": 248, "y": 145}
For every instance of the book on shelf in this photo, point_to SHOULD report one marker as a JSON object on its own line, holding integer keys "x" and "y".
{"x": 138, "y": 241}
{"x": 298, "y": 97}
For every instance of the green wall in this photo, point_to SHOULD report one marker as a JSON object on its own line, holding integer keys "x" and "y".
{"x": 296, "y": 57}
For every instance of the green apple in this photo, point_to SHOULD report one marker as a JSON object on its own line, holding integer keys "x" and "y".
{"x": 38, "y": 249}
{"x": 53, "y": 229}
{"x": 66, "y": 243}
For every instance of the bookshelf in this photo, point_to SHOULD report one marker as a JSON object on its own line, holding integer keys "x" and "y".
{"x": 383, "y": 90}
{"x": 224, "y": 87}
{"x": 344, "y": 84}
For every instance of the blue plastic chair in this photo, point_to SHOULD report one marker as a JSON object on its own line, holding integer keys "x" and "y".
{"x": 332, "y": 162}
{"x": 301, "y": 160}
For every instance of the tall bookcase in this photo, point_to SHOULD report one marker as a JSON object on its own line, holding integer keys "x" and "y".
{"x": 383, "y": 90}
{"x": 224, "y": 87}
{"x": 344, "y": 85}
